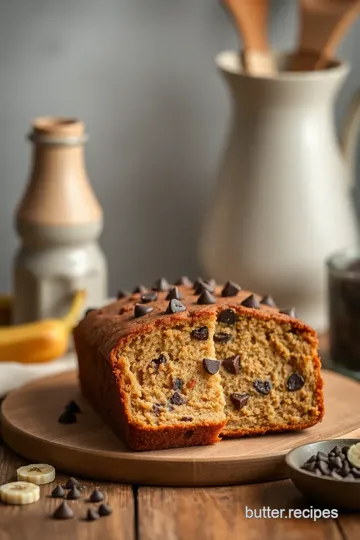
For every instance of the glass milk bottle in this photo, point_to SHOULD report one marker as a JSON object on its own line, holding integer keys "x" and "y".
{"x": 59, "y": 221}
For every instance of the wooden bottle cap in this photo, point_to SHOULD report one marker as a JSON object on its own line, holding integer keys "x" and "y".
{"x": 57, "y": 130}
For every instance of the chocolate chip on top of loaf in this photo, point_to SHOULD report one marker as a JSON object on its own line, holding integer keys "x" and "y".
{"x": 182, "y": 364}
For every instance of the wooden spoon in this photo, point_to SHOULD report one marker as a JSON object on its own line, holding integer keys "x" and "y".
{"x": 323, "y": 25}
{"x": 250, "y": 18}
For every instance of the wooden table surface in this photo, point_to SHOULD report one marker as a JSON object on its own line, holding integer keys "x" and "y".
{"x": 153, "y": 513}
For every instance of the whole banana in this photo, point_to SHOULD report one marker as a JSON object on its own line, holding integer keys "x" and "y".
{"x": 40, "y": 341}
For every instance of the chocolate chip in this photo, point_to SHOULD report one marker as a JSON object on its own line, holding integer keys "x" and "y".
{"x": 321, "y": 456}
{"x": 251, "y": 302}
{"x": 141, "y": 310}
{"x": 349, "y": 477}
{"x": 104, "y": 510}
{"x": 263, "y": 387}
{"x": 186, "y": 419}
{"x": 323, "y": 467}
{"x": 157, "y": 361}
{"x": 211, "y": 366}
{"x": 310, "y": 467}
{"x": 201, "y": 287}
{"x": 268, "y": 301}
{"x": 232, "y": 364}
{"x": 345, "y": 450}
{"x": 96, "y": 496}
{"x": 239, "y": 400}
{"x": 345, "y": 469}
{"x": 140, "y": 289}
{"x": 123, "y": 294}
{"x": 73, "y": 494}
{"x": 178, "y": 384}
{"x": 183, "y": 280}
{"x": 175, "y": 307}
{"x": 148, "y": 297}
{"x": 89, "y": 311}
{"x": 335, "y": 475}
{"x": 92, "y": 515}
{"x": 58, "y": 492}
{"x": 295, "y": 382}
{"x": 197, "y": 282}
{"x": 206, "y": 298}
{"x": 63, "y": 511}
{"x": 336, "y": 450}
{"x": 311, "y": 459}
{"x": 73, "y": 407}
{"x": 201, "y": 334}
{"x": 174, "y": 294}
{"x": 288, "y": 311}
{"x": 227, "y": 316}
{"x": 67, "y": 417}
{"x": 156, "y": 408}
{"x": 222, "y": 337}
{"x": 177, "y": 399}
{"x": 230, "y": 289}
{"x": 211, "y": 282}
{"x": 161, "y": 285}
{"x": 336, "y": 462}
{"x": 72, "y": 482}
{"x": 355, "y": 472}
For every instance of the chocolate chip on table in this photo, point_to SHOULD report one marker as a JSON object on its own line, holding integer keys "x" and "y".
{"x": 232, "y": 364}
{"x": 230, "y": 289}
{"x": 263, "y": 387}
{"x": 186, "y": 419}
{"x": 211, "y": 366}
{"x": 72, "y": 482}
{"x": 175, "y": 306}
{"x": 73, "y": 494}
{"x": 222, "y": 337}
{"x": 239, "y": 400}
{"x": 104, "y": 510}
{"x": 141, "y": 309}
{"x": 288, "y": 311}
{"x": 267, "y": 300}
{"x": 174, "y": 294}
{"x": 183, "y": 280}
{"x": 92, "y": 515}
{"x": 140, "y": 289}
{"x": 201, "y": 333}
{"x": 63, "y": 511}
{"x": 123, "y": 294}
{"x": 177, "y": 399}
{"x": 58, "y": 492}
{"x": 67, "y": 417}
{"x": 73, "y": 407}
{"x": 295, "y": 382}
{"x": 96, "y": 496}
{"x": 227, "y": 316}
{"x": 178, "y": 384}
{"x": 158, "y": 361}
{"x": 161, "y": 285}
{"x": 206, "y": 298}
{"x": 148, "y": 297}
{"x": 251, "y": 302}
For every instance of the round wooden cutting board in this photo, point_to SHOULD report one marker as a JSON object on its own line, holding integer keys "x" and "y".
{"x": 89, "y": 449}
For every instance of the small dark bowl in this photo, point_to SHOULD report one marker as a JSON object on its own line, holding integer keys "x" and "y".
{"x": 328, "y": 492}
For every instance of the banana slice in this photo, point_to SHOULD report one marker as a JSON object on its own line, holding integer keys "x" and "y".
{"x": 19, "y": 493}
{"x": 354, "y": 455}
{"x": 37, "y": 473}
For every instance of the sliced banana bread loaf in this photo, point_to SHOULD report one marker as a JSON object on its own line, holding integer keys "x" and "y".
{"x": 178, "y": 365}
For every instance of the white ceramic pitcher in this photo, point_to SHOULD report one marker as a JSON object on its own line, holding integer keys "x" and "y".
{"x": 282, "y": 203}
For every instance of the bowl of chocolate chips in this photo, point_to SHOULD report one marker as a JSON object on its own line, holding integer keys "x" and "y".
{"x": 327, "y": 472}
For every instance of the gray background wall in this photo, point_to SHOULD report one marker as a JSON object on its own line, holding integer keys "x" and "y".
{"x": 141, "y": 75}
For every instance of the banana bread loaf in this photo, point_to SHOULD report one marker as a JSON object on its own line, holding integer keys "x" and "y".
{"x": 181, "y": 365}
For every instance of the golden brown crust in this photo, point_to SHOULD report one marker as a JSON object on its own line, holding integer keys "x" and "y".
{"x": 103, "y": 332}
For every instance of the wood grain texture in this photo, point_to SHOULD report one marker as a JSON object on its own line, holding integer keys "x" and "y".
{"x": 219, "y": 514}
{"x": 91, "y": 450}
{"x": 34, "y": 521}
